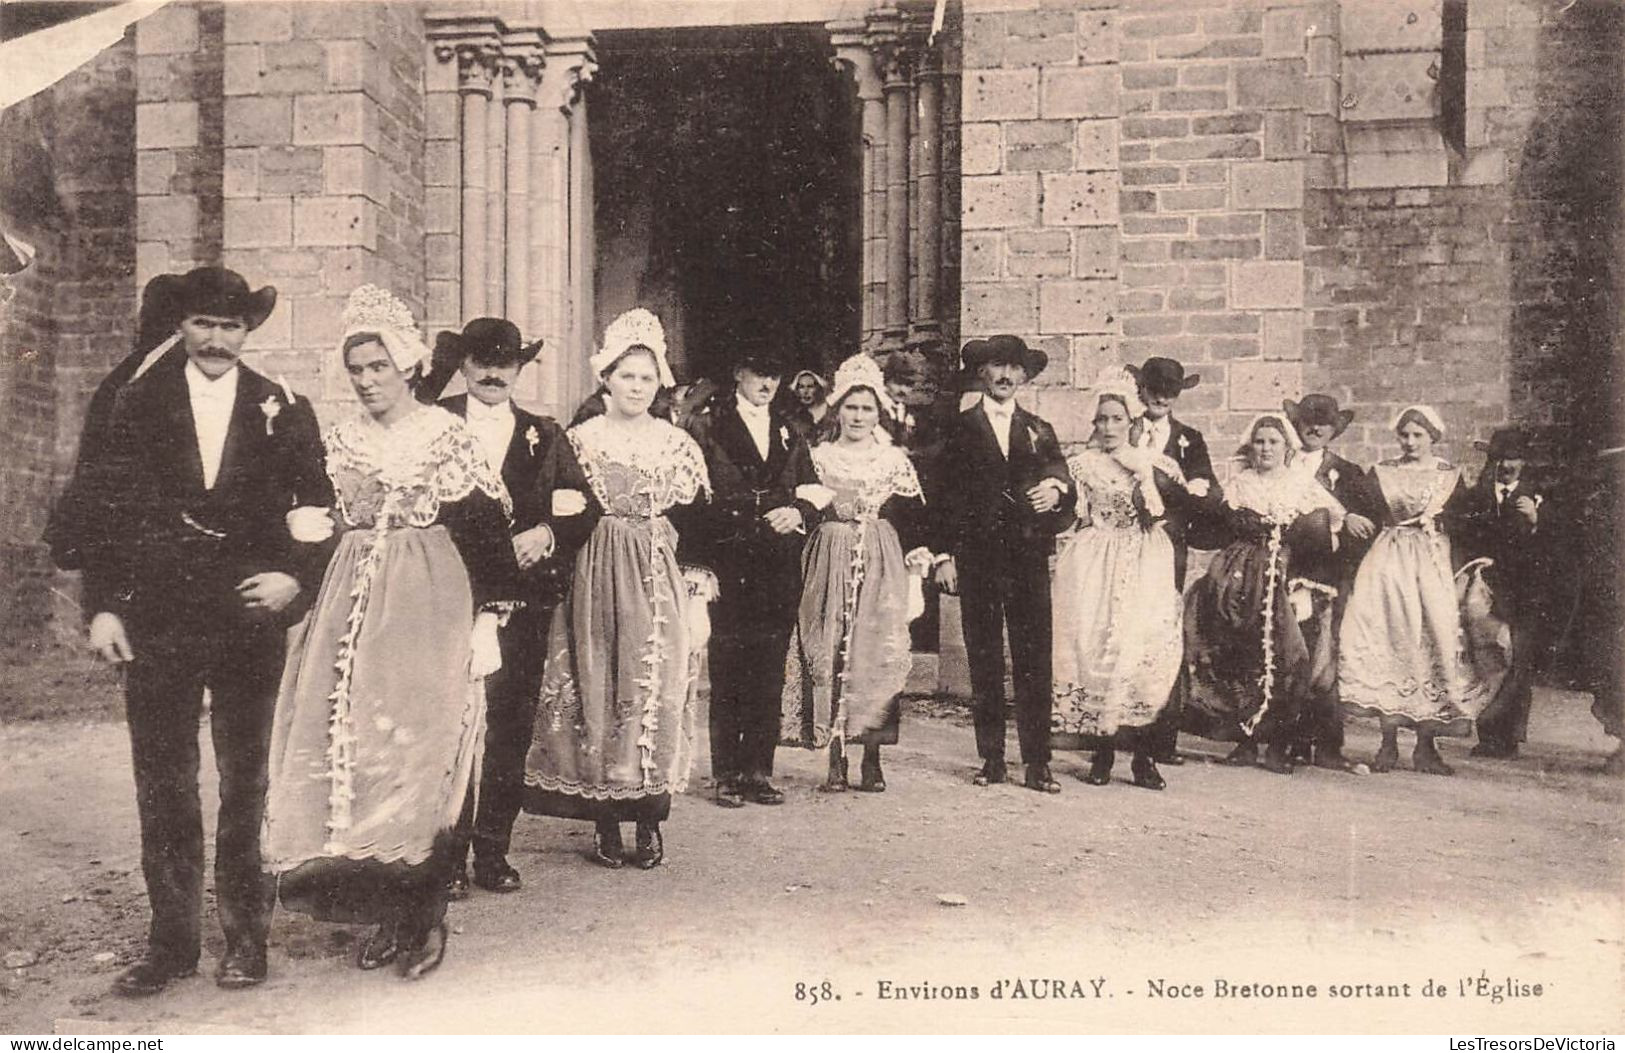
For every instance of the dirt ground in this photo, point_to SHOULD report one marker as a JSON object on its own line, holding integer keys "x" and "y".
{"x": 1123, "y": 901}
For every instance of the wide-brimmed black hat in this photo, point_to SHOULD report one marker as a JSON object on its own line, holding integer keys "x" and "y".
{"x": 160, "y": 313}
{"x": 489, "y": 342}
{"x": 1317, "y": 409}
{"x": 216, "y": 292}
{"x": 1003, "y": 349}
{"x": 1504, "y": 444}
{"x": 1164, "y": 377}
{"x": 761, "y": 358}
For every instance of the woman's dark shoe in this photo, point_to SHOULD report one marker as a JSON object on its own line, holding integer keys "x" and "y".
{"x": 873, "y": 780}
{"x": 495, "y": 875}
{"x": 1387, "y": 758}
{"x": 1039, "y": 778}
{"x": 457, "y": 885}
{"x": 607, "y": 849}
{"x": 1425, "y": 759}
{"x": 426, "y": 957}
{"x": 992, "y": 773}
{"x": 1245, "y": 755}
{"x": 379, "y": 949}
{"x": 1146, "y": 773}
{"x": 1277, "y": 760}
{"x": 1100, "y": 768}
{"x": 651, "y": 846}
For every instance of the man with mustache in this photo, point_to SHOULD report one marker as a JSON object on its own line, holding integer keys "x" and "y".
{"x": 551, "y": 520}
{"x": 191, "y": 581}
{"x": 755, "y": 530}
{"x": 1008, "y": 496}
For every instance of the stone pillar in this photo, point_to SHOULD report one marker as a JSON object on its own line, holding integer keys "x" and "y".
{"x": 853, "y": 55}
{"x": 583, "y": 255}
{"x": 475, "y": 45}
{"x": 521, "y": 75}
{"x": 496, "y": 183}
{"x": 558, "y": 186}
{"x": 895, "y": 67}
{"x": 928, "y": 322}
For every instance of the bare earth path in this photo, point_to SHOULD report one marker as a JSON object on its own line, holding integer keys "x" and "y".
{"x": 1511, "y": 870}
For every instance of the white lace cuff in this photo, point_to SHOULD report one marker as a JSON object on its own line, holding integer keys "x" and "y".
{"x": 815, "y": 494}
{"x": 919, "y": 561}
{"x": 702, "y": 583}
{"x": 568, "y": 503}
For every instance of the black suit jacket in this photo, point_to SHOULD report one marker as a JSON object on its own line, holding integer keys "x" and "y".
{"x": 538, "y": 462}
{"x": 174, "y": 551}
{"x": 983, "y": 516}
{"x": 1192, "y": 521}
{"x": 1481, "y": 528}
{"x": 744, "y": 486}
{"x": 1351, "y": 485}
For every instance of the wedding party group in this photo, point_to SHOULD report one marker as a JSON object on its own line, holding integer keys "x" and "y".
{"x": 442, "y": 612}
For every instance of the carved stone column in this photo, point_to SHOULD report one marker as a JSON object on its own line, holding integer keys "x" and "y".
{"x": 853, "y": 55}
{"x": 521, "y": 74}
{"x": 928, "y": 322}
{"x": 475, "y": 45}
{"x": 895, "y": 66}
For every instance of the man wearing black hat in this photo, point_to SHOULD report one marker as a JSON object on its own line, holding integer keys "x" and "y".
{"x": 1161, "y": 382}
{"x": 1008, "y": 496}
{"x": 192, "y": 588}
{"x": 1499, "y": 519}
{"x": 754, "y": 533}
{"x": 1319, "y": 420}
{"x": 551, "y": 520}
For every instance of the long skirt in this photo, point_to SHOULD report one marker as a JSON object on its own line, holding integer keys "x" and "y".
{"x": 613, "y": 734}
{"x": 1248, "y": 659}
{"x": 378, "y": 728}
{"x": 849, "y": 655}
{"x": 1117, "y": 646}
{"x": 1418, "y": 645}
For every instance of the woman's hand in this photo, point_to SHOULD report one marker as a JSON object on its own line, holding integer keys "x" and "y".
{"x": 532, "y": 546}
{"x": 1359, "y": 527}
{"x": 310, "y": 525}
{"x": 484, "y": 653}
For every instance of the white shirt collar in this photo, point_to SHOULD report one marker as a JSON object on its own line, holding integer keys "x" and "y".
{"x": 201, "y": 388}
{"x": 747, "y": 408}
{"x": 993, "y": 408}
{"x": 478, "y": 409}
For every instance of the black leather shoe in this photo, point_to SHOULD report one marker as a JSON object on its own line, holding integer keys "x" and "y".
{"x": 1100, "y": 768}
{"x": 1039, "y": 778}
{"x": 874, "y": 780}
{"x": 457, "y": 885}
{"x": 496, "y": 876}
{"x": 1171, "y": 758}
{"x": 1146, "y": 774}
{"x": 1276, "y": 759}
{"x": 607, "y": 848}
{"x": 651, "y": 850}
{"x": 1245, "y": 755}
{"x": 379, "y": 949}
{"x": 426, "y": 957}
{"x": 992, "y": 773}
{"x": 241, "y": 967}
{"x": 149, "y": 975}
{"x": 763, "y": 792}
{"x": 729, "y": 795}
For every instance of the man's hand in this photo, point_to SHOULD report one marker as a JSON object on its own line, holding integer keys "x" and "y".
{"x": 1359, "y": 527}
{"x": 947, "y": 577}
{"x": 1526, "y": 507}
{"x": 271, "y": 591}
{"x": 532, "y": 546}
{"x": 786, "y": 519}
{"x": 107, "y": 638}
{"x": 1045, "y": 497}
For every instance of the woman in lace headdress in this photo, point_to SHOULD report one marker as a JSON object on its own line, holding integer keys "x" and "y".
{"x": 382, "y": 704}
{"x": 612, "y": 739}
{"x": 1404, "y": 645}
{"x": 849, "y": 655}
{"x": 1250, "y": 665}
{"x": 1116, "y": 610}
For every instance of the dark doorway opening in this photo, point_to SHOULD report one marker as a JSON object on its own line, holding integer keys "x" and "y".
{"x": 726, "y": 170}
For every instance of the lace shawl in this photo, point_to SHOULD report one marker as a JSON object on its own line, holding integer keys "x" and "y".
{"x": 666, "y": 463}
{"x": 400, "y": 474}
{"x": 877, "y": 472}
{"x": 1283, "y": 498}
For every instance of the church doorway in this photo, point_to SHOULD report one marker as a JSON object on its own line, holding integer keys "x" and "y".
{"x": 727, "y": 168}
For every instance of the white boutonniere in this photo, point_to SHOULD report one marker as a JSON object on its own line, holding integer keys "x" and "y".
{"x": 1331, "y": 476}
{"x": 270, "y": 407}
{"x": 531, "y": 438}
{"x": 1184, "y": 444}
{"x": 784, "y": 435}
{"x": 1032, "y": 436}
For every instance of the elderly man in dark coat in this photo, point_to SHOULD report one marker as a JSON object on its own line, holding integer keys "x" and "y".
{"x": 1006, "y": 494}
{"x": 191, "y": 581}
